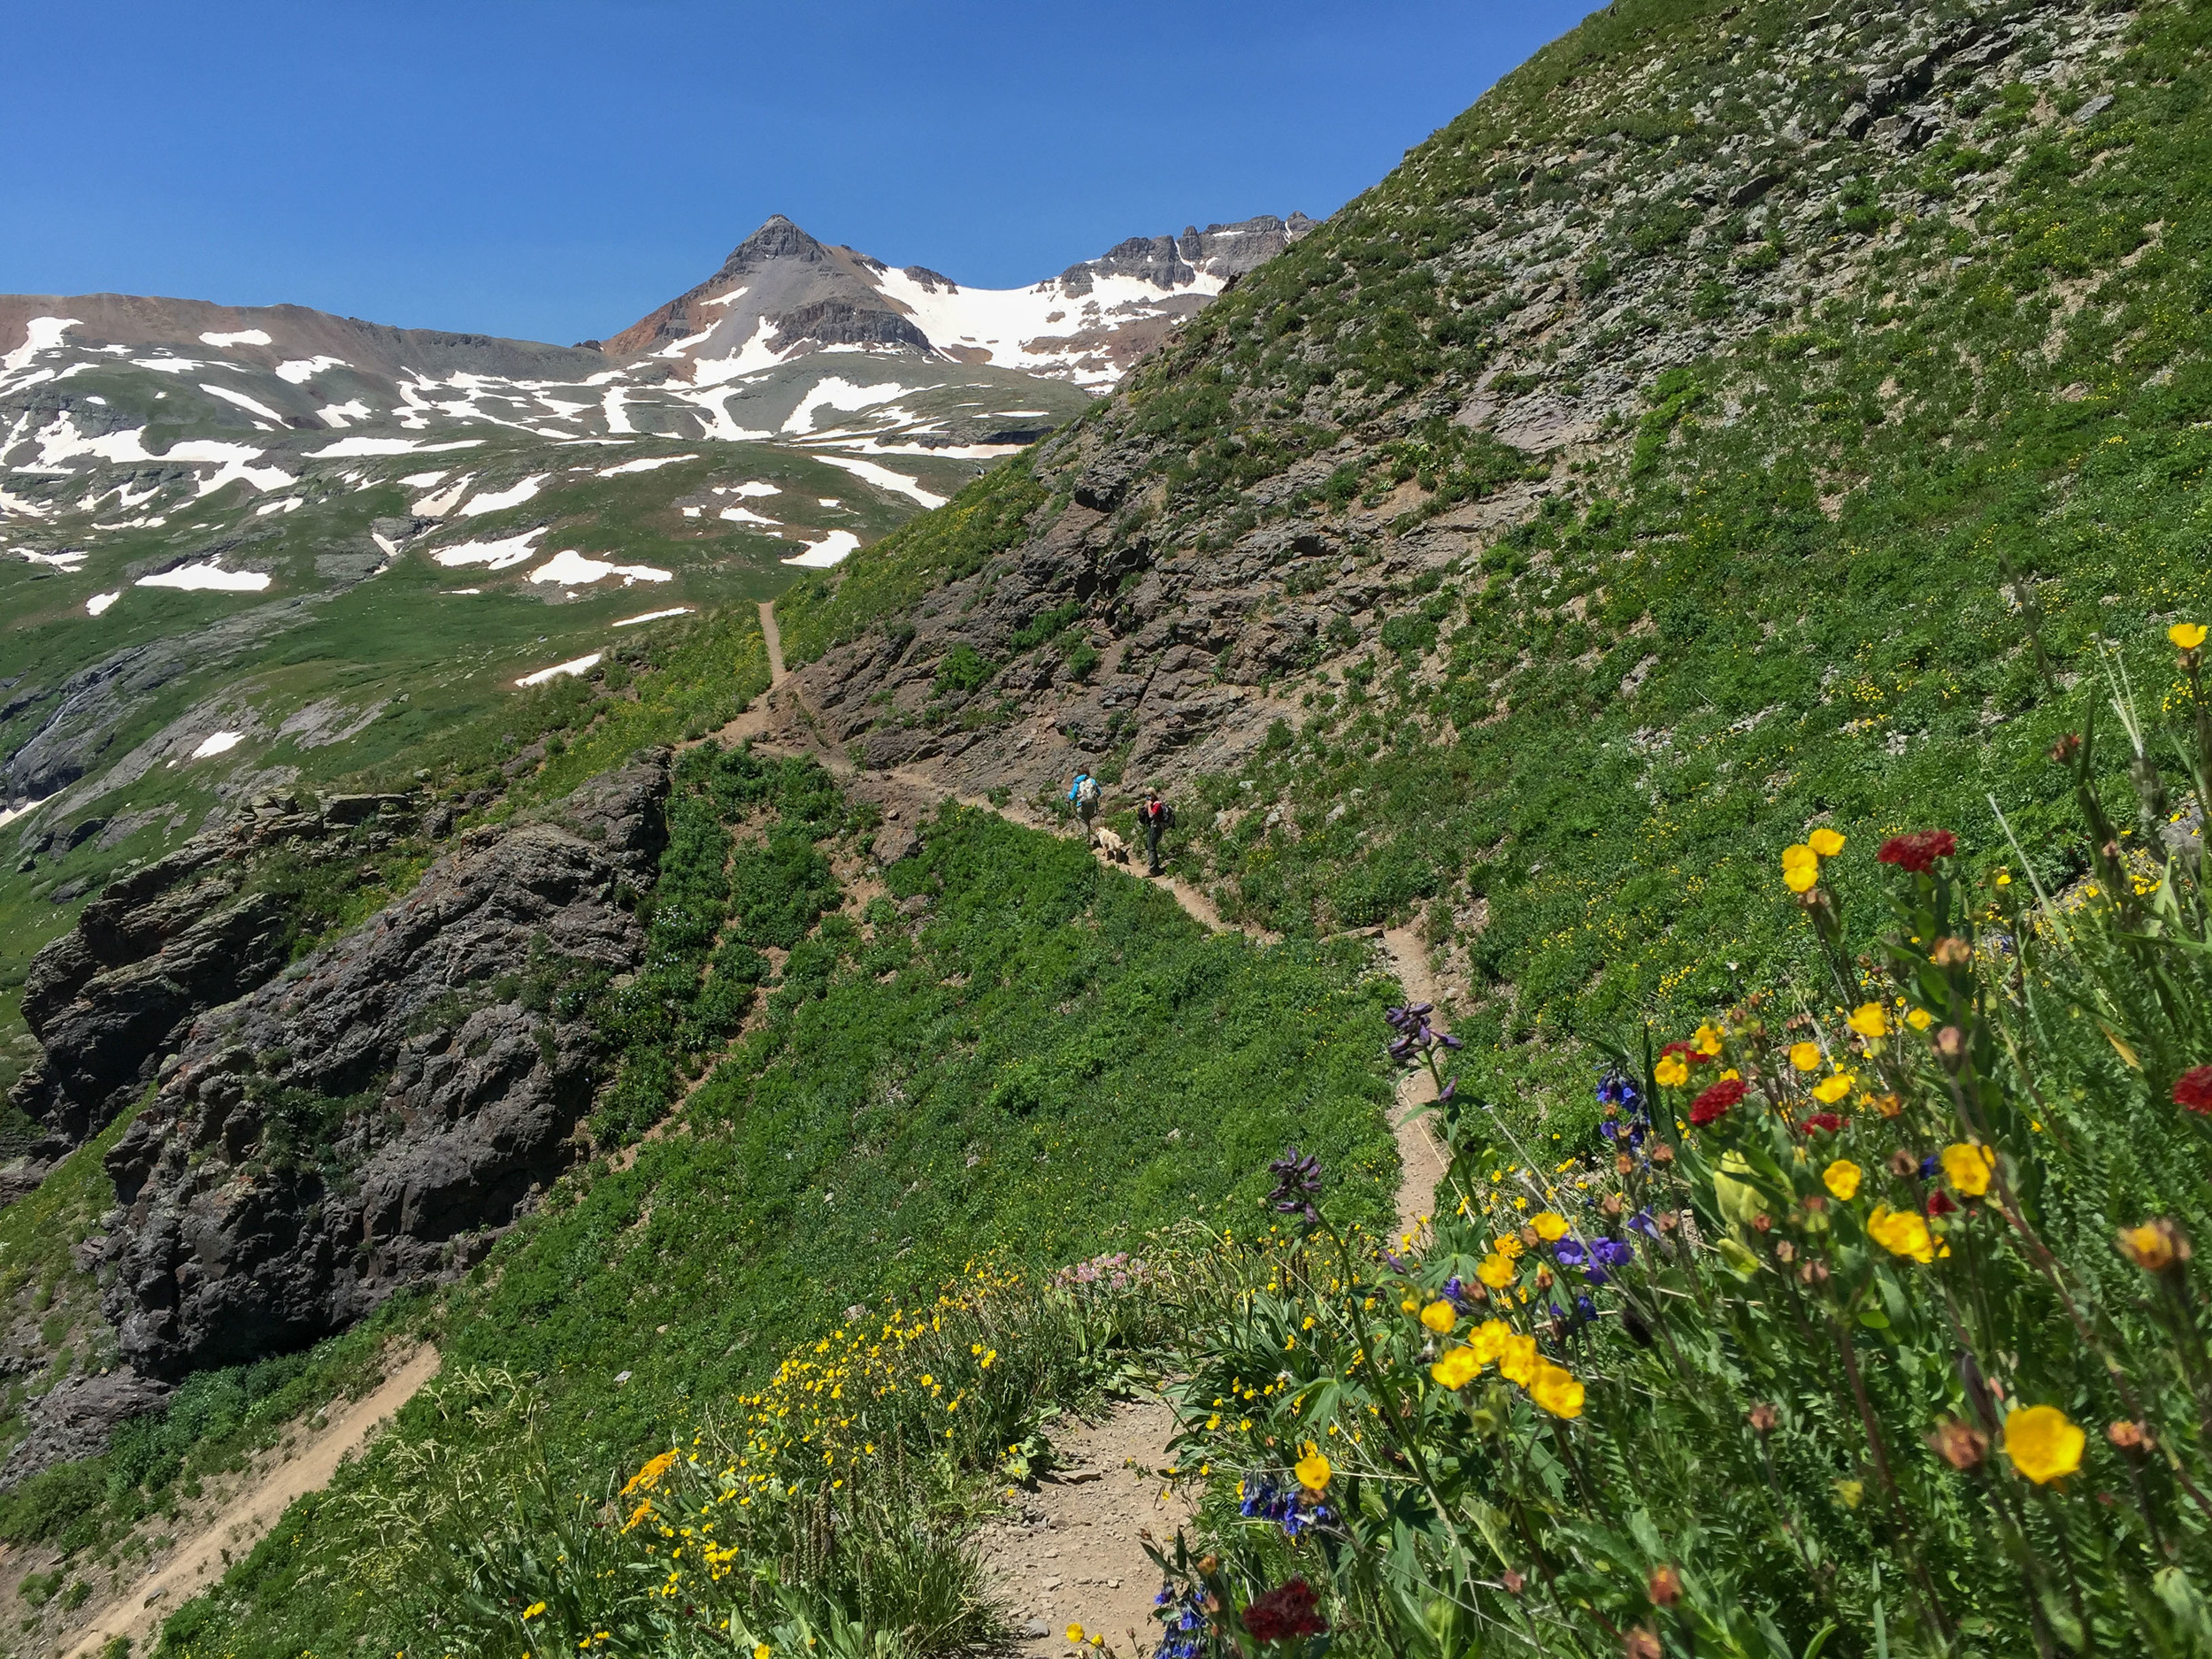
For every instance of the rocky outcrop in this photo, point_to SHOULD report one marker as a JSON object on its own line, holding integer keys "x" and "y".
{"x": 369, "y": 1119}
{"x": 77, "y": 1418}
{"x": 162, "y": 943}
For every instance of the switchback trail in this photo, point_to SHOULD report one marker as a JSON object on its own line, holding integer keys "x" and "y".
{"x": 773, "y": 635}
{"x": 1072, "y": 1552}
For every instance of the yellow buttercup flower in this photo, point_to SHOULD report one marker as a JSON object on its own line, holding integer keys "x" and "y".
{"x": 1800, "y": 868}
{"x": 762, "y": 1650}
{"x": 1968, "y": 1167}
{"x": 1708, "y": 1040}
{"x": 1411, "y": 1304}
{"x": 1457, "y": 1369}
{"x": 1439, "y": 1317}
{"x": 1902, "y": 1232}
{"x": 1670, "y": 1072}
{"x": 1075, "y": 1635}
{"x": 1550, "y": 1226}
{"x": 1495, "y": 1272}
{"x": 1920, "y": 1020}
{"x": 533, "y": 1610}
{"x": 1842, "y": 1178}
{"x": 1488, "y": 1340}
{"x": 1312, "y": 1471}
{"x": 1556, "y": 1389}
{"x": 1829, "y": 1090}
{"x": 2187, "y": 635}
{"x": 1517, "y": 1359}
{"x": 1869, "y": 1019}
{"x": 1825, "y": 841}
{"x": 2042, "y": 1443}
{"x": 1805, "y": 1056}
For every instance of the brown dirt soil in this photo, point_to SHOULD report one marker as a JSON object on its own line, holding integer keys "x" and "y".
{"x": 225, "y": 1528}
{"x": 1072, "y": 1551}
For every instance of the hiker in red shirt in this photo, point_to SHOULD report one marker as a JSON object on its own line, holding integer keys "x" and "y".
{"x": 1156, "y": 817}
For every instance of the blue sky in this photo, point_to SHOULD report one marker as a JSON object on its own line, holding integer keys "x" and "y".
{"x": 554, "y": 170}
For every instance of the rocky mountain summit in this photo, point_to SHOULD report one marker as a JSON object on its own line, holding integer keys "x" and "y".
{"x": 781, "y": 294}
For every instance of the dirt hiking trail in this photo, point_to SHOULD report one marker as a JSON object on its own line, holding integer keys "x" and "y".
{"x": 234, "y": 1529}
{"x": 1072, "y": 1551}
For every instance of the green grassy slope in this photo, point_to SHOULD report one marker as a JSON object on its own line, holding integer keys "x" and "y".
{"x": 1825, "y": 396}
{"x": 1012, "y": 1053}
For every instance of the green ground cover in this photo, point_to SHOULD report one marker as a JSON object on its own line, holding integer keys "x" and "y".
{"x": 1035, "y": 1059}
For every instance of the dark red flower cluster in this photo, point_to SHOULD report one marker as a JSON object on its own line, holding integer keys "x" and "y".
{"x": 1284, "y": 1612}
{"x": 2194, "y": 1089}
{"x": 1687, "y": 1049}
{"x": 1828, "y": 1122}
{"x": 1713, "y": 1104}
{"x": 1918, "y": 851}
{"x": 1940, "y": 1203}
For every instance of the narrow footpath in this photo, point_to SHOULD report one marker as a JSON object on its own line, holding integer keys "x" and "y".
{"x": 1072, "y": 1552}
{"x": 230, "y": 1533}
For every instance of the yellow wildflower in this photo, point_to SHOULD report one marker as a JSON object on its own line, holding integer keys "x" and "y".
{"x": 1671, "y": 1071}
{"x": 1517, "y": 1359}
{"x": 1805, "y": 1056}
{"x": 1495, "y": 1272}
{"x": 1825, "y": 841}
{"x": 762, "y": 1650}
{"x": 2187, "y": 635}
{"x": 1550, "y": 1226}
{"x": 1457, "y": 1368}
{"x": 1920, "y": 1020}
{"x": 1829, "y": 1090}
{"x": 533, "y": 1610}
{"x": 1312, "y": 1471}
{"x": 1439, "y": 1317}
{"x": 1556, "y": 1389}
{"x": 1488, "y": 1340}
{"x": 1869, "y": 1020}
{"x": 1968, "y": 1167}
{"x": 1902, "y": 1232}
{"x": 1800, "y": 868}
{"x": 1708, "y": 1040}
{"x": 1842, "y": 1178}
{"x": 1075, "y": 1633}
{"x": 2042, "y": 1442}
{"x": 1411, "y": 1304}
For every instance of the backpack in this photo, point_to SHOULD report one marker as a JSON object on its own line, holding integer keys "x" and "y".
{"x": 1086, "y": 791}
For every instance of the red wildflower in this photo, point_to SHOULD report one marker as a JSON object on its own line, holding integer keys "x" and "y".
{"x": 1713, "y": 1104}
{"x": 1940, "y": 1203}
{"x": 1285, "y": 1611}
{"x": 1687, "y": 1049}
{"x": 1918, "y": 851}
{"x": 1827, "y": 1121}
{"x": 2194, "y": 1089}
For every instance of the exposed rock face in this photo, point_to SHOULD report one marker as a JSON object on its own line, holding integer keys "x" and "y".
{"x": 77, "y": 1418}
{"x": 368, "y": 1120}
{"x": 160, "y": 945}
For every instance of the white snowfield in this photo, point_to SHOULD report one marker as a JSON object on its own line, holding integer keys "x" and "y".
{"x": 582, "y": 665}
{"x": 1028, "y": 328}
{"x": 513, "y": 496}
{"x": 99, "y": 602}
{"x": 644, "y": 464}
{"x": 245, "y": 403}
{"x": 69, "y": 559}
{"x": 652, "y": 616}
{"x": 745, "y": 515}
{"x": 243, "y": 337}
{"x": 571, "y": 569}
{"x": 883, "y": 478}
{"x": 836, "y": 392}
{"x": 346, "y": 446}
{"x": 299, "y": 370}
{"x": 218, "y": 744}
{"x": 499, "y": 555}
{"x": 210, "y": 576}
{"x": 832, "y": 550}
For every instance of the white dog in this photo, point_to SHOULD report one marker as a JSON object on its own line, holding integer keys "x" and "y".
{"x": 1113, "y": 846}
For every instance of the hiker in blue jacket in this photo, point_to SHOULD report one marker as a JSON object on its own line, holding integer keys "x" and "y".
{"x": 1084, "y": 793}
